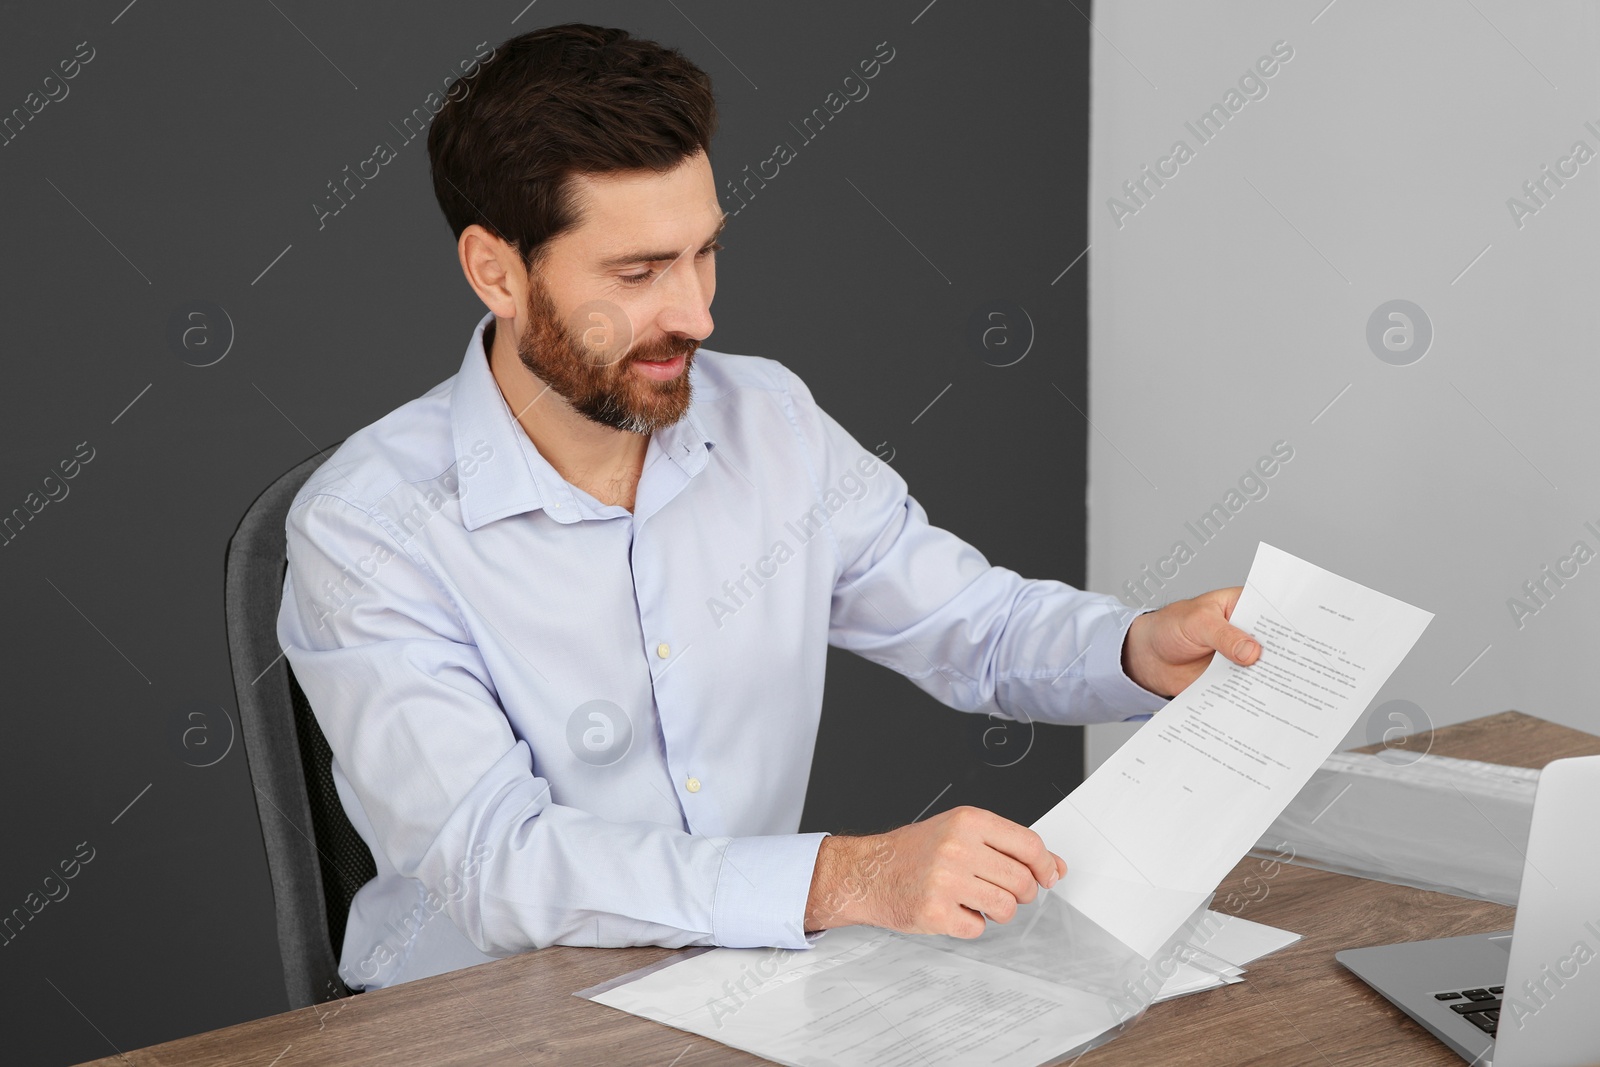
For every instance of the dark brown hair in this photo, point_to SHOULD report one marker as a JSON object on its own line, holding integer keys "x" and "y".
{"x": 555, "y": 102}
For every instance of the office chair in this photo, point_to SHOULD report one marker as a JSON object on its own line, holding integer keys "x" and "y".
{"x": 316, "y": 859}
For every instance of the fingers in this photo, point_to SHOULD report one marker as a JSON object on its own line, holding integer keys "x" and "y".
{"x": 982, "y": 895}
{"x": 1224, "y": 637}
{"x": 1236, "y": 645}
{"x": 1006, "y": 885}
{"x": 1221, "y": 635}
{"x": 967, "y": 923}
{"x": 1010, "y": 871}
{"x": 1021, "y": 844}
{"x": 979, "y": 865}
{"x": 1001, "y": 885}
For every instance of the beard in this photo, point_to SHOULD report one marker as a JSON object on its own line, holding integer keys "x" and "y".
{"x": 591, "y": 369}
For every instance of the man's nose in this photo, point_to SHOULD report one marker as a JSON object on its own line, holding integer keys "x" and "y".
{"x": 686, "y": 306}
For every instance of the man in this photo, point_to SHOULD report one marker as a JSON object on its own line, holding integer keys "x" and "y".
{"x": 564, "y": 618}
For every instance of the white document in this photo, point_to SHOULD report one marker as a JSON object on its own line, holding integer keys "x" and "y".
{"x": 871, "y": 998}
{"x": 1241, "y": 941}
{"x": 1152, "y": 832}
{"x": 1218, "y": 957}
{"x": 867, "y": 998}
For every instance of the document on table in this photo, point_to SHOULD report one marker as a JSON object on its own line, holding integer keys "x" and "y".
{"x": 1228, "y": 943}
{"x": 865, "y": 997}
{"x": 869, "y": 997}
{"x": 1154, "y": 829}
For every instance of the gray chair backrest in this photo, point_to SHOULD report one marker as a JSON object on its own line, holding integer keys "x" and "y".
{"x": 316, "y": 859}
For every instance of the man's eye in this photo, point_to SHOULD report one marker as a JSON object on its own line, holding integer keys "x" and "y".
{"x": 635, "y": 280}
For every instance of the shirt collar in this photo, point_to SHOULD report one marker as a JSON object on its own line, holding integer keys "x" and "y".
{"x": 517, "y": 478}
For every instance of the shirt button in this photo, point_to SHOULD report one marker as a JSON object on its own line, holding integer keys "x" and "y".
{"x": 692, "y": 785}
{"x": 663, "y": 650}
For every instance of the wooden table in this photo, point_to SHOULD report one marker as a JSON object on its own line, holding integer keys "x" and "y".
{"x": 1299, "y": 1006}
{"x": 1295, "y": 1007}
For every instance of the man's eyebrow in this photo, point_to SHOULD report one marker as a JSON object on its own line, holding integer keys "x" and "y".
{"x": 612, "y": 262}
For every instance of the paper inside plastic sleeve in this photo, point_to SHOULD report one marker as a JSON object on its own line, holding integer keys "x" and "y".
{"x": 1037, "y": 990}
{"x": 1431, "y": 822}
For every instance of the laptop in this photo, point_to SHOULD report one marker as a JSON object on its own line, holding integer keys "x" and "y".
{"x": 1528, "y": 996}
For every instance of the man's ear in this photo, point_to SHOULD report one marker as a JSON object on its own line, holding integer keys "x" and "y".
{"x": 493, "y": 270}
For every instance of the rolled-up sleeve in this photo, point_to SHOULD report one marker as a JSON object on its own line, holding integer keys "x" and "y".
{"x": 410, "y": 712}
{"x": 918, "y": 599}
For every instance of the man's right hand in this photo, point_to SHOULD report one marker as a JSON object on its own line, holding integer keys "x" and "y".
{"x": 938, "y": 876}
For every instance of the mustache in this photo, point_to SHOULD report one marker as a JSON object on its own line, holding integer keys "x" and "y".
{"x": 665, "y": 349}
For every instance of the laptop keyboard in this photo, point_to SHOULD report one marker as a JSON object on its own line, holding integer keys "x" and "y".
{"x": 1480, "y": 1007}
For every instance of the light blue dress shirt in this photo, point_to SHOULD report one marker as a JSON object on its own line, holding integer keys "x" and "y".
{"x": 555, "y": 721}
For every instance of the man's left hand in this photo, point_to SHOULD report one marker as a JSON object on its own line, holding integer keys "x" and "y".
{"x": 1167, "y": 649}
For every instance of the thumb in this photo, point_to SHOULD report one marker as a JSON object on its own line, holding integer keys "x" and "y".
{"x": 1237, "y": 645}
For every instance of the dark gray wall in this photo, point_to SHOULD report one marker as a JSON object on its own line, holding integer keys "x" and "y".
{"x": 182, "y": 165}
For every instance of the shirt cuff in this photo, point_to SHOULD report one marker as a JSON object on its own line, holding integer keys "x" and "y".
{"x": 762, "y": 890}
{"x": 1103, "y": 668}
